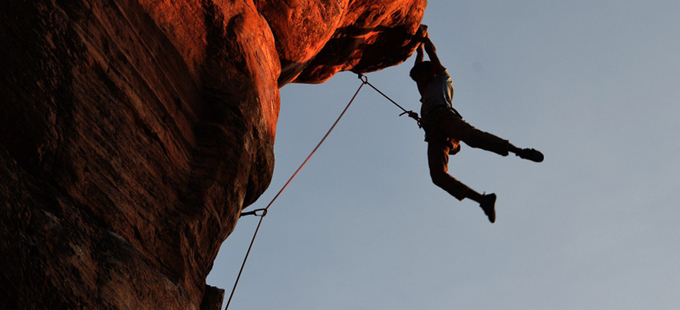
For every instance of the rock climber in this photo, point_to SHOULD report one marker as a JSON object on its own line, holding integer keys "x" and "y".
{"x": 445, "y": 128}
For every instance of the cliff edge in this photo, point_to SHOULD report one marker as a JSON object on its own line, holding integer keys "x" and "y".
{"x": 133, "y": 132}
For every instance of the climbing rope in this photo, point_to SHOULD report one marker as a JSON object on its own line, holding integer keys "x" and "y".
{"x": 261, "y": 213}
{"x": 410, "y": 114}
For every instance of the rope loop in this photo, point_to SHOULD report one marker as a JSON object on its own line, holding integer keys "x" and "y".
{"x": 363, "y": 78}
{"x": 414, "y": 116}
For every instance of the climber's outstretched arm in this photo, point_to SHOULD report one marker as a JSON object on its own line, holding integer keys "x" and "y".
{"x": 432, "y": 53}
{"x": 419, "y": 53}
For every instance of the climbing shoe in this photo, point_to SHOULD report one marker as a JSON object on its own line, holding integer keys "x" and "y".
{"x": 488, "y": 204}
{"x": 531, "y": 154}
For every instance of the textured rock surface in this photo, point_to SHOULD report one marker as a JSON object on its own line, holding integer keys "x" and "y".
{"x": 133, "y": 132}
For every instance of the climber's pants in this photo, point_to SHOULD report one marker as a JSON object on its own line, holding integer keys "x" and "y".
{"x": 438, "y": 161}
{"x": 455, "y": 128}
{"x": 447, "y": 134}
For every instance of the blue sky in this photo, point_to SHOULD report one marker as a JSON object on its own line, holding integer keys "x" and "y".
{"x": 594, "y": 85}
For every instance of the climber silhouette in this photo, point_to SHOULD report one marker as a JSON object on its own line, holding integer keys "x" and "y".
{"x": 445, "y": 128}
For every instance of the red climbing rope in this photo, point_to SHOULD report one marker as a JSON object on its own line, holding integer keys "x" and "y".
{"x": 264, "y": 211}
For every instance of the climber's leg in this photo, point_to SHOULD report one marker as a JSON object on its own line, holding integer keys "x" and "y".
{"x": 459, "y": 129}
{"x": 438, "y": 160}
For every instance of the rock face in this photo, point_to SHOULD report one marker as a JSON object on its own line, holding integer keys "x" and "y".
{"x": 133, "y": 132}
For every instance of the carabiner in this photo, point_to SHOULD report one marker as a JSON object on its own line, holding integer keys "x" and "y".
{"x": 255, "y": 212}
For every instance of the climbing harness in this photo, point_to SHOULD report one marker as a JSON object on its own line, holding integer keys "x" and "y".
{"x": 263, "y": 212}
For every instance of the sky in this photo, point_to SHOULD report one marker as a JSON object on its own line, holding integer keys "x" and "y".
{"x": 594, "y": 85}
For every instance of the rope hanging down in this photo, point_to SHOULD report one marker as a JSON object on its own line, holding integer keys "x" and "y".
{"x": 263, "y": 212}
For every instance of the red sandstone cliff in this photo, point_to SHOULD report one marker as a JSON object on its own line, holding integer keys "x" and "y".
{"x": 133, "y": 132}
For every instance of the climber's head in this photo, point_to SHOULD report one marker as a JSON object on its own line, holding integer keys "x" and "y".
{"x": 421, "y": 71}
